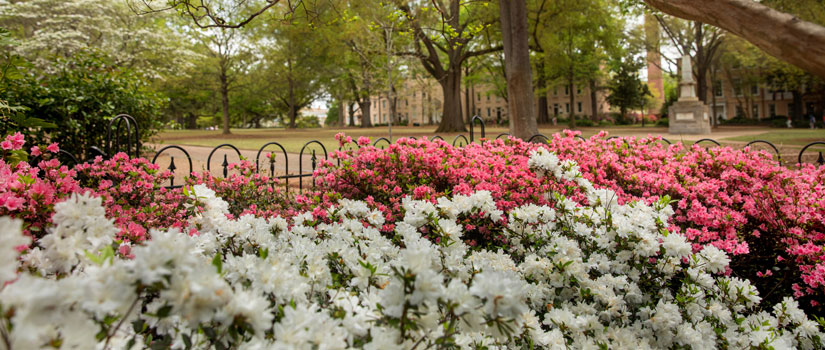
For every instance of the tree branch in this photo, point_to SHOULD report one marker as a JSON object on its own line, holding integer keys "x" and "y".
{"x": 779, "y": 34}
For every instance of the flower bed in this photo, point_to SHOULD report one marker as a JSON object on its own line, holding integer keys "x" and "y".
{"x": 422, "y": 245}
{"x": 771, "y": 219}
{"x": 603, "y": 274}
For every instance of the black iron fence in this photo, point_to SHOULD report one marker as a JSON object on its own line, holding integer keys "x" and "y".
{"x": 123, "y": 137}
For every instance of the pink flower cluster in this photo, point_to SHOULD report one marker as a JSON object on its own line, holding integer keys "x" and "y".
{"x": 431, "y": 169}
{"x": 133, "y": 191}
{"x": 740, "y": 201}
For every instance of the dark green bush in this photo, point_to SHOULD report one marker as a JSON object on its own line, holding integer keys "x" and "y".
{"x": 81, "y": 99}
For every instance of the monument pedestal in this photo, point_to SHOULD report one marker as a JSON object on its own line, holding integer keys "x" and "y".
{"x": 688, "y": 117}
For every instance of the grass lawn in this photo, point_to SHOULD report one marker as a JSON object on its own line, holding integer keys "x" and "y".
{"x": 781, "y": 137}
{"x": 293, "y": 140}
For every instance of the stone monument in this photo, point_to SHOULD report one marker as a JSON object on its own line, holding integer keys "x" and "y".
{"x": 688, "y": 115}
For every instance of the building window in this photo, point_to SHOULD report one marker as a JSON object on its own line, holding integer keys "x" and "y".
{"x": 478, "y": 112}
{"x": 580, "y": 107}
{"x": 488, "y": 97}
{"x": 384, "y": 104}
{"x": 737, "y": 87}
{"x": 478, "y": 96}
{"x": 555, "y": 91}
{"x": 567, "y": 108}
{"x": 566, "y": 90}
{"x": 717, "y": 88}
{"x": 406, "y": 102}
{"x": 423, "y": 95}
{"x": 555, "y": 109}
{"x": 754, "y": 90}
{"x": 488, "y": 110}
{"x": 772, "y": 109}
{"x": 755, "y": 111}
{"x": 739, "y": 111}
{"x": 578, "y": 90}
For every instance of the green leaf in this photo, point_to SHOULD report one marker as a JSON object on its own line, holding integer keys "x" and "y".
{"x": 217, "y": 261}
{"x": 164, "y": 311}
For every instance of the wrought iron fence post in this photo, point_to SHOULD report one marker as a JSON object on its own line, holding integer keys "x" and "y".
{"x": 172, "y": 166}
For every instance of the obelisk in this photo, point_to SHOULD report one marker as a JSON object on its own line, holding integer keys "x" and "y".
{"x": 688, "y": 115}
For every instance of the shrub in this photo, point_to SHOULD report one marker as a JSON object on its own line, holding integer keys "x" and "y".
{"x": 80, "y": 100}
{"x": 598, "y": 275}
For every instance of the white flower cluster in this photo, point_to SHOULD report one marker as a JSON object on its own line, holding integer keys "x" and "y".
{"x": 603, "y": 275}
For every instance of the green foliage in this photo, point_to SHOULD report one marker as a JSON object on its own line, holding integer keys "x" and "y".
{"x": 308, "y": 121}
{"x": 80, "y": 100}
{"x": 332, "y": 113}
{"x": 626, "y": 88}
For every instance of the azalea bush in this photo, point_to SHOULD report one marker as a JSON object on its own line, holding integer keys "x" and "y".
{"x": 770, "y": 218}
{"x": 428, "y": 170}
{"x": 600, "y": 274}
{"x": 133, "y": 190}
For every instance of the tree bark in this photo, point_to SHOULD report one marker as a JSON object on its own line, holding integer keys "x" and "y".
{"x": 594, "y": 104}
{"x": 541, "y": 88}
{"x": 351, "y": 112}
{"x": 451, "y": 119}
{"x": 225, "y": 100}
{"x": 365, "y": 104}
{"x": 781, "y": 35}
{"x": 341, "y": 122}
{"x": 571, "y": 115}
{"x": 796, "y": 111}
{"x": 467, "y": 113}
{"x": 515, "y": 35}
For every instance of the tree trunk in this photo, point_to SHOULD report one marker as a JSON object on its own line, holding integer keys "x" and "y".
{"x": 351, "y": 112}
{"x": 513, "y": 15}
{"x": 225, "y": 101}
{"x": 468, "y": 114}
{"x": 341, "y": 122}
{"x": 191, "y": 121}
{"x": 364, "y": 105}
{"x": 293, "y": 113}
{"x": 594, "y": 104}
{"x": 571, "y": 115}
{"x": 430, "y": 120}
{"x": 293, "y": 116}
{"x": 451, "y": 86}
{"x": 541, "y": 88}
{"x": 796, "y": 111}
{"x": 779, "y": 34}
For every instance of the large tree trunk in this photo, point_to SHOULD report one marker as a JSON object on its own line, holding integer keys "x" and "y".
{"x": 796, "y": 110}
{"x": 364, "y": 105}
{"x": 541, "y": 88}
{"x": 341, "y": 122}
{"x": 780, "y": 34}
{"x": 594, "y": 104}
{"x": 430, "y": 120}
{"x": 451, "y": 86}
{"x": 467, "y": 113}
{"x": 351, "y": 112}
{"x": 293, "y": 113}
{"x": 572, "y": 113}
{"x": 225, "y": 102}
{"x": 517, "y": 67}
{"x": 701, "y": 66}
